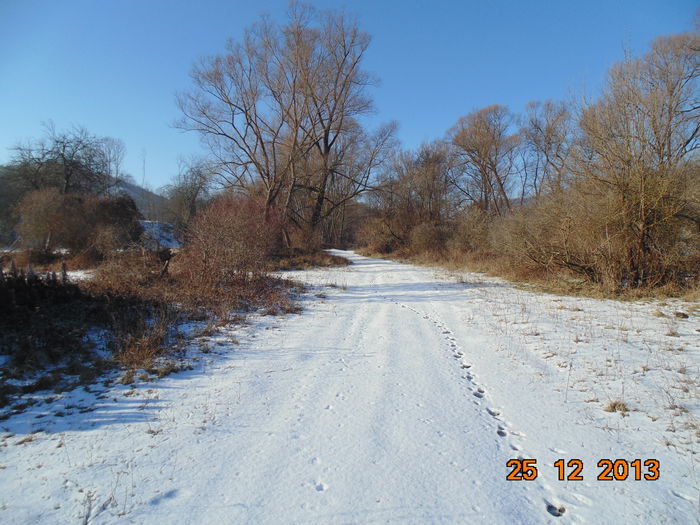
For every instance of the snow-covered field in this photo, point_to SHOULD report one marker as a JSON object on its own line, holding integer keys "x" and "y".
{"x": 397, "y": 396}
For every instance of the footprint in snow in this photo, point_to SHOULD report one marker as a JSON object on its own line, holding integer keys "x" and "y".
{"x": 501, "y": 431}
{"x": 321, "y": 487}
{"x": 493, "y": 412}
{"x": 555, "y": 510}
{"x": 479, "y": 393}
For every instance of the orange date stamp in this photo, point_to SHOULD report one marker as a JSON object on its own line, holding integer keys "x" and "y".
{"x": 572, "y": 470}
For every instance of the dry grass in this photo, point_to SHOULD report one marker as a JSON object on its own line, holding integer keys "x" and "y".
{"x": 304, "y": 261}
{"x": 140, "y": 345}
{"x": 616, "y": 406}
{"x": 535, "y": 278}
{"x": 137, "y": 306}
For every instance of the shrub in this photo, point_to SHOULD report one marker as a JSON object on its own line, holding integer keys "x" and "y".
{"x": 471, "y": 232}
{"x": 376, "y": 237}
{"x": 429, "y": 238}
{"x": 228, "y": 241}
{"x": 52, "y": 220}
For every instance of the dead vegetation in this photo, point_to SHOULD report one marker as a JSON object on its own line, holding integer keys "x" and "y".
{"x": 303, "y": 261}
{"x": 56, "y": 334}
{"x": 617, "y": 406}
{"x": 596, "y": 198}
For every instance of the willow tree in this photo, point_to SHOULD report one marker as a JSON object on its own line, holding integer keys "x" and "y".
{"x": 486, "y": 149}
{"x": 637, "y": 150}
{"x": 281, "y": 110}
{"x": 547, "y": 134}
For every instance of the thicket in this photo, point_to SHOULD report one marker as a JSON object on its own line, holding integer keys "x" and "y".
{"x": 97, "y": 227}
{"x": 605, "y": 192}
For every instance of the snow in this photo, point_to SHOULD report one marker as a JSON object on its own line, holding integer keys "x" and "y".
{"x": 397, "y": 396}
{"x": 80, "y": 275}
{"x": 158, "y": 235}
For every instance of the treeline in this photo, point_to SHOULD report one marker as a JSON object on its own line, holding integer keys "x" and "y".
{"x": 605, "y": 190}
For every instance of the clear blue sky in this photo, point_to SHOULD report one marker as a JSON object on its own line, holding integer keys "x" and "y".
{"x": 114, "y": 66}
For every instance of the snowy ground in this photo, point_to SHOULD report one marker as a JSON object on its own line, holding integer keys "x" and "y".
{"x": 397, "y": 396}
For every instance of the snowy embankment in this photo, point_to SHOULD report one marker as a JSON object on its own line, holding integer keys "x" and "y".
{"x": 398, "y": 396}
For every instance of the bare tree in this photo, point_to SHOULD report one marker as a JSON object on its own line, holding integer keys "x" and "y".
{"x": 547, "y": 134}
{"x": 190, "y": 190}
{"x": 635, "y": 144}
{"x": 414, "y": 201}
{"x": 72, "y": 161}
{"x": 244, "y": 112}
{"x": 112, "y": 151}
{"x": 280, "y": 112}
{"x": 486, "y": 152}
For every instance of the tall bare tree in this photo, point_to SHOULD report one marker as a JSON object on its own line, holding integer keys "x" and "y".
{"x": 244, "y": 112}
{"x": 486, "y": 151}
{"x": 189, "y": 191}
{"x": 280, "y": 110}
{"x": 547, "y": 134}
{"x": 74, "y": 161}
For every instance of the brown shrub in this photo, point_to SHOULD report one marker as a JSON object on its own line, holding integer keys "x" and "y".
{"x": 376, "y": 237}
{"x": 305, "y": 239}
{"x": 52, "y": 220}
{"x": 429, "y": 238}
{"x": 585, "y": 234}
{"x": 228, "y": 241}
{"x": 302, "y": 261}
{"x": 141, "y": 342}
{"x": 470, "y": 233}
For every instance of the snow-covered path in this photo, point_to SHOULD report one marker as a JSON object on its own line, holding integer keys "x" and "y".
{"x": 398, "y": 396}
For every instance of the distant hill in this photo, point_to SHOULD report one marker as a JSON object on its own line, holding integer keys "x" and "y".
{"x": 150, "y": 204}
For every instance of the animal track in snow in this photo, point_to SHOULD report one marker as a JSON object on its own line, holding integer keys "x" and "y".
{"x": 502, "y": 430}
{"x": 321, "y": 487}
{"x": 555, "y": 510}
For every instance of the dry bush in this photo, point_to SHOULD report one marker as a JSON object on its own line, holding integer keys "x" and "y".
{"x": 375, "y": 237}
{"x": 84, "y": 260}
{"x": 585, "y": 233}
{"x": 470, "y": 233}
{"x": 303, "y": 261}
{"x": 78, "y": 223}
{"x": 50, "y": 219}
{"x": 143, "y": 340}
{"x": 305, "y": 240}
{"x": 428, "y": 238}
{"x": 228, "y": 241}
{"x": 130, "y": 273}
